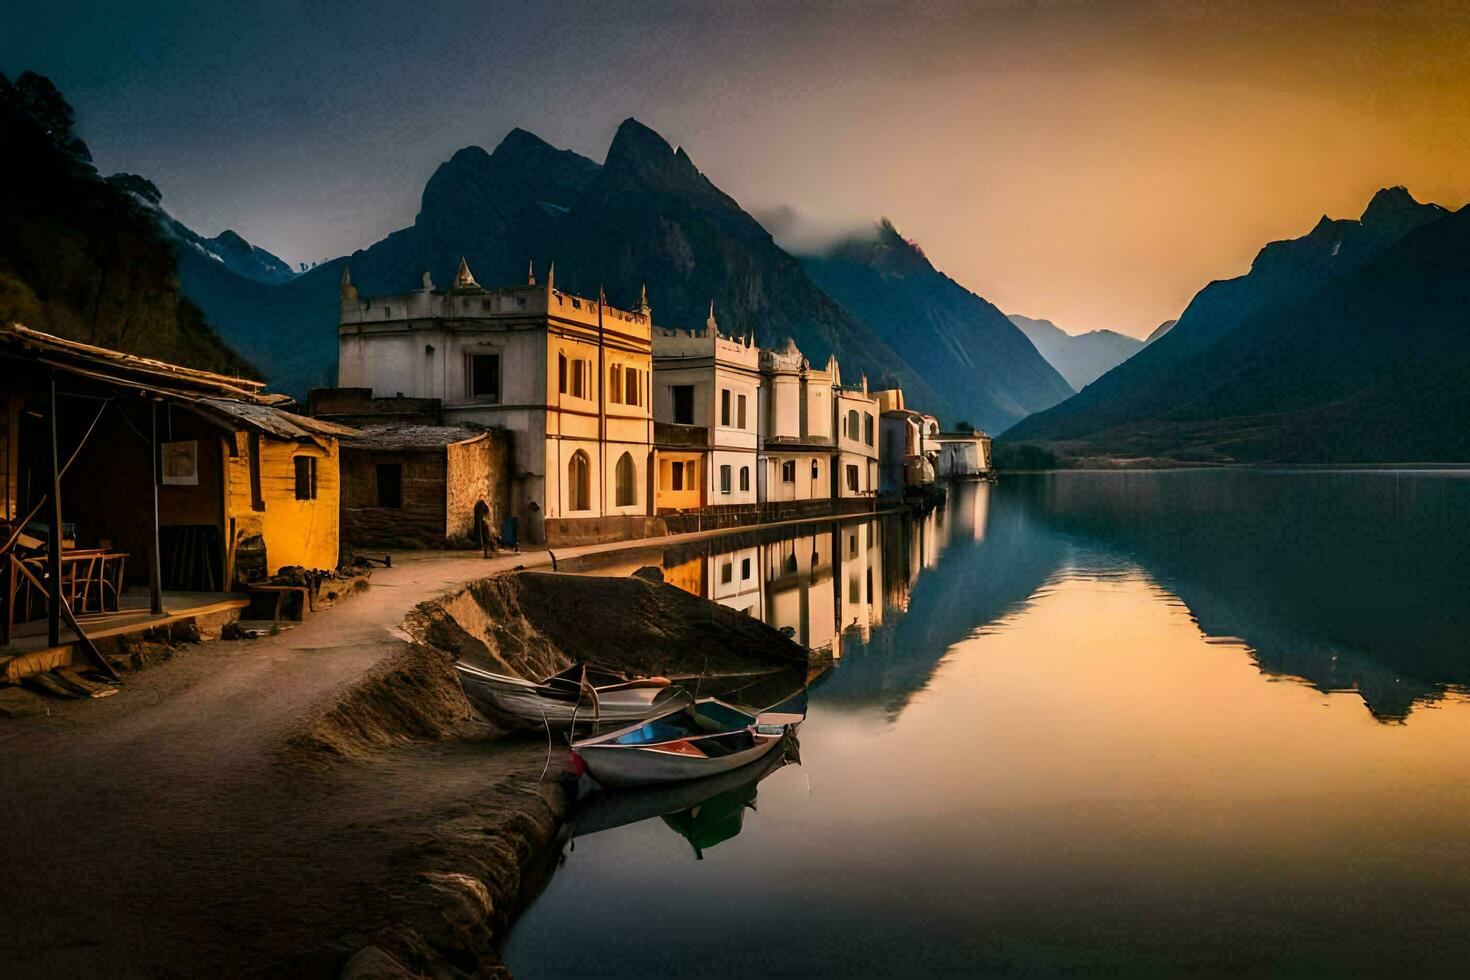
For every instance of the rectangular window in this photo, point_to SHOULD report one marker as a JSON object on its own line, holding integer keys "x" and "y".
{"x": 615, "y": 383}
{"x": 691, "y": 476}
{"x": 561, "y": 373}
{"x": 740, "y": 415}
{"x": 816, "y": 469}
{"x": 867, "y": 428}
{"x": 724, "y": 406}
{"x": 485, "y": 377}
{"x": 788, "y": 471}
{"x": 852, "y": 478}
{"x": 725, "y": 478}
{"x": 390, "y": 484}
{"x": 744, "y": 569}
{"x": 581, "y": 378}
{"x": 744, "y": 479}
{"x": 305, "y": 477}
{"x": 677, "y": 474}
{"x": 632, "y": 387}
{"x": 727, "y": 573}
{"x": 683, "y": 396}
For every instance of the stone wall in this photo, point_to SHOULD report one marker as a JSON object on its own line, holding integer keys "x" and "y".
{"x": 419, "y": 523}
{"x": 479, "y": 470}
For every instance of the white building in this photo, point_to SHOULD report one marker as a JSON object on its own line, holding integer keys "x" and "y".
{"x": 706, "y": 403}
{"x": 570, "y": 377}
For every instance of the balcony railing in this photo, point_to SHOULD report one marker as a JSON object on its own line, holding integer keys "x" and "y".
{"x": 672, "y": 434}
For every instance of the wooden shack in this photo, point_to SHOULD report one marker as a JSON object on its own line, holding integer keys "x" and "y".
{"x": 161, "y": 476}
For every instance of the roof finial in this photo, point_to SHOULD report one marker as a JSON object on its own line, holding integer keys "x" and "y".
{"x": 710, "y": 324}
{"x": 643, "y": 306}
{"x": 463, "y": 279}
{"x": 551, "y": 277}
{"x": 531, "y": 273}
{"x": 349, "y": 291}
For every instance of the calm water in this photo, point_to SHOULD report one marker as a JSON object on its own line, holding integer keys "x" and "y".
{"x": 1081, "y": 723}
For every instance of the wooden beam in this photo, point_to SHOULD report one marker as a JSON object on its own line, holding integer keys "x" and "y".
{"x": 155, "y": 562}
{"x": 53, "y": 551}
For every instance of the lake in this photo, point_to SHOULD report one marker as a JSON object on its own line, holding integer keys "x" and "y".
{"x": 1139, "y": 722}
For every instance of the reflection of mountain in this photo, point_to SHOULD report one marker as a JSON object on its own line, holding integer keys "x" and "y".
{"x": 1348, "y": 580}
{"x": 990, "y": 570}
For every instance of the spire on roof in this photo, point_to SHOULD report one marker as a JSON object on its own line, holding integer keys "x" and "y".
{"x": 349, "y": 291}
{"x": 531, "y": 273}
{"x": 551, "y": 277}
{"x": 428, "y": 282}
{"x": 463, "y": 279}
{"x": 710, "y": 324}
{"x": 643, "y": 306}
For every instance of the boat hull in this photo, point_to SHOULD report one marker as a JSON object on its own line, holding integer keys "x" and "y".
{"x": 520, "y": 703}
{"x": 629, "y": 765}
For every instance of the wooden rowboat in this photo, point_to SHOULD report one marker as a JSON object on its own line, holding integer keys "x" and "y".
{"x": 581, "y": 694}
{"x": 688, "y": 742}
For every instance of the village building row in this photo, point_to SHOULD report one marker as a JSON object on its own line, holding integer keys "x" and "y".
{"x": 601, "y": 424}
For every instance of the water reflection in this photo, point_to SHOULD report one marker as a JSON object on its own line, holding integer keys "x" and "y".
{"x": 1080, "y": 723}
{"x": 705, "y": 812}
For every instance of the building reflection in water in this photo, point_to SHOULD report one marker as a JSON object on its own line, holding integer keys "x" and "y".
{"x": 833, "y": 581}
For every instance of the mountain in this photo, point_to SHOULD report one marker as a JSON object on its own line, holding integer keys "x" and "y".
{"x": 81, "y": 256}
{"x": 980, "y": 364}
{"x": 1159, "y": 331}
{"x": 1083, "y": 358}
{"x": 645, "y": 215}
{"x": 1351, "y": 347}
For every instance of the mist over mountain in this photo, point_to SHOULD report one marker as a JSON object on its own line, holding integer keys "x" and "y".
{"x": 965, "y": 347}
{"x": 84, "y": 257}
{"x": 1082, "y": 358}
{"x": 1345, "y": 345}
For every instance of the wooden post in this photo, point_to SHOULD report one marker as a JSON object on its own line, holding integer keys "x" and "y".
{"x": 53, "y": 552}
{"x": 155, "y": 561}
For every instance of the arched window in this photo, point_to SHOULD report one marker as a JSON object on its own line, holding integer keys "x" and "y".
{"x": 627, "y": 492}
{"x": 579, "y": 482}
{"x": 745, "y": 478}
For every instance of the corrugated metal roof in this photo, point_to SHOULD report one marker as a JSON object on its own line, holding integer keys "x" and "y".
{"x": 234, "y": 403}
{"x": 273, "y": 421}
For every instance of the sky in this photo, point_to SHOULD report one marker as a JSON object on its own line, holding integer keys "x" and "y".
{"x": 1094, "y": 164}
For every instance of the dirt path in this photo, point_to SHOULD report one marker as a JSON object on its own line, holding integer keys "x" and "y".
{"x": 157, "y": 833}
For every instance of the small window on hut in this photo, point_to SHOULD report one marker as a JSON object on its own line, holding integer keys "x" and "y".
{"x": 305, "y": 477}
{"x": 390, "y": 484}
{"x": 485, "y": 377}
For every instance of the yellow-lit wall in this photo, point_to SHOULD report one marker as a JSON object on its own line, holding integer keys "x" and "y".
{"x": 296, "y": 532}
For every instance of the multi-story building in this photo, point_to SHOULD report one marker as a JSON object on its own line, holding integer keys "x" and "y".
{"x": 855, "y": 426}
{"x": 908, "y": 444}
{"x": 706, "y": 408}
{"x": 569, "y": 377}
{"x": 798, "y": 441}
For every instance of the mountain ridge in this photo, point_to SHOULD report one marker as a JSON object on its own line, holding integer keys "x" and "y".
{"x": 1080, "y": 358}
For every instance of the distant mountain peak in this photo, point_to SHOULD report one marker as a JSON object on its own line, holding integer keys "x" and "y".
{"x": 640, "y": 154}
{"x": 1394, "y": 209}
